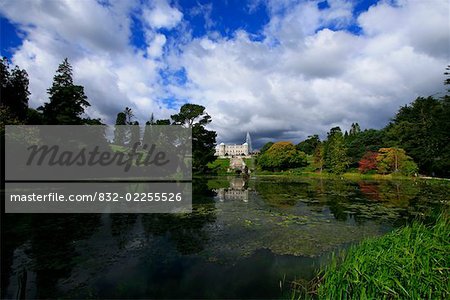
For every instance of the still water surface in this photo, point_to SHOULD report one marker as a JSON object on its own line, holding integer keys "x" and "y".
{"x": 244, "y": 239}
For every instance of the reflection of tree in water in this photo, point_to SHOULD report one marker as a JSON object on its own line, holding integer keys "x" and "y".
{"x": 431, "y": 200}
{"x": 52, "y": 245}
{"x": 121, "y": 225}
{"x": 201, "y": 191}
{"x": 398, "y": 194}
{"x": 370, "y": 190}
{"x": 280, "y": 193}
{"x": 366, "y": 199}
{"x": 186, "y": 230}
{"x": 338, "y": 194}
{"x": 15, "y": 231}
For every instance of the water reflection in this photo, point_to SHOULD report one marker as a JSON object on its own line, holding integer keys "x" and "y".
{"x": 242, "y": 238}
{"x": 238, "y": 190}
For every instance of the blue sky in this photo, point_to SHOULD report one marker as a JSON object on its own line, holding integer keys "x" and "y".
{"x": 281, "y": 69}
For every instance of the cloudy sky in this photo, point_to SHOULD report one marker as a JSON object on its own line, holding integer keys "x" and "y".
{"x": 281, "y": 69}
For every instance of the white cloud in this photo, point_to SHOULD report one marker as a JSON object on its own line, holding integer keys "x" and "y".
{"x": 95, "y": 38}
{"x": 162, "y": 15}
{"x": 302, "y": 79}
{"x": 156, "y": 46}
{"x": 307, "y": 75}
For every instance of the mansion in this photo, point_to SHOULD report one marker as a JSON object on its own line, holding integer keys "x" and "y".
{"x": 232, "y": 150}
{"x": 245, "y": 149}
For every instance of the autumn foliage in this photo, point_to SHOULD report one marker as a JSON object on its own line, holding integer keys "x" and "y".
{"x": 368, "y": 162}
{"x": 387, "y": 161}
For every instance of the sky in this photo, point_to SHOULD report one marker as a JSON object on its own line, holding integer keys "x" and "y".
{"x": 279, "y": 69}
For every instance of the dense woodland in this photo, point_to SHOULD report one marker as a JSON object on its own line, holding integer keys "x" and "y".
{"x": 417, "y": 140}
{"x": 67, "y": 104}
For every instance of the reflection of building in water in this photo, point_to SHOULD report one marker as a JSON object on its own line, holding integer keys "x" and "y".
{"x": 232, "y": 194}
{"x": 236, "y": 191}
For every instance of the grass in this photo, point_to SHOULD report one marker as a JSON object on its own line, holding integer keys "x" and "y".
{"x": 220, "y": 166}
{"x": 412, "y": 262}
{"x": 324, "y": 175}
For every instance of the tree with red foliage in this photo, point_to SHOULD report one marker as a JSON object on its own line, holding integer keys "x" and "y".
{"x": 368, "y": 162}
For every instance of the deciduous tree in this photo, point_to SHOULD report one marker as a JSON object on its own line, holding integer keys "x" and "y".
{"x": 282, "y": 156}
{"x": 368, "y": 162}
{"x": 203, "y": 140}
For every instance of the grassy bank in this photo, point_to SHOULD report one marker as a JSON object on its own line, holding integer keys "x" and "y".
{"x": 325, "y": 175}
{"x": 221, "y": 166}
{"x": 410, "y": 263}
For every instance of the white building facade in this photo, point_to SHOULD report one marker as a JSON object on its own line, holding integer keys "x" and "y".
{"x": 232, "y": 150}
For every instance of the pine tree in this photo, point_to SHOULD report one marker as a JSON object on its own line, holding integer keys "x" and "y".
{"x": 336, "y": 159}
{"x": 319, "y": 156}
{"x": 14, "y": 90}
{"x": 67, "y": 101}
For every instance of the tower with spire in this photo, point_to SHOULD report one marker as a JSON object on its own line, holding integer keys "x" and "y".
{"x": 248, "y": 140}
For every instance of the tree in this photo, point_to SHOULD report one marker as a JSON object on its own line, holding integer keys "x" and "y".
{"x": 369, "y": 140}
{"x": 203, "y": 141}
{"x": 309, "y": 145}
{"x": 135, "y": 134}
{"x": 265, "y": 147}
{"x": 128, "y": 115}
{"x": 319, "y": 158}
{"x": 368, "y": 162}
{"x": 147, "y": 137}
{"x": 393, "y": 160}
{"x": 282, "y": 156}
{"x": 422, "y": 129}
{"x": 354, "y": 129}
{"x": 120, "y": 132}
{"x": 67, "y": 101}
{"x": 447, "y": 74}
{"x": 336, "y": 160}
{"x": 191, "y": 114}
{"x": 14, "y": 90}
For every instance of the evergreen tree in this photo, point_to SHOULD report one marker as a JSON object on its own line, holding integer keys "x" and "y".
{"x": 14, "y": 90}
{"x": 422, "y": 129}
{"x": 309, "y": 145}
{"x": 319, "y": 159}
{"x": 265, "y": 147}
{"x": 336, "y": 159}
{"x": 354, "y": 129}
{"x": 67, "y": 101}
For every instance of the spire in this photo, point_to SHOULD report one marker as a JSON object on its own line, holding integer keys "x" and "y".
{"x": 248, "y": 140}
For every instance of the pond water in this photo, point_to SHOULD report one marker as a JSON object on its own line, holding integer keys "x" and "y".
{"x": 244, "y": 239}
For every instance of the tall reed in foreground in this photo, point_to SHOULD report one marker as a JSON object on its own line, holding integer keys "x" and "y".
{"x": 412, "y": 262}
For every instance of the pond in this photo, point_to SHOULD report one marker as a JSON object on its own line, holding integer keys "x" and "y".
{"x": 244, "y": 239}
